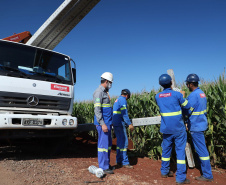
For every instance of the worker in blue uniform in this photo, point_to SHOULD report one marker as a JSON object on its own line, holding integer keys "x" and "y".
{"x": 120, "y": 122}
{"x": 173, "y": 128}
{"x": 197, "y": 124}
{"x": 103, "y": 121}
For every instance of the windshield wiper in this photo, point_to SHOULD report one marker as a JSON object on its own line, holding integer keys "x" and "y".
{"x": 11, "y": 69}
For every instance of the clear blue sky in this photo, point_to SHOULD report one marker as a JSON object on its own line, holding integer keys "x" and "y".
{"x": 136, "y": 40}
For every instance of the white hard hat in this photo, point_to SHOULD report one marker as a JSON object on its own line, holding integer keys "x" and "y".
{"x": 107, "y": 76}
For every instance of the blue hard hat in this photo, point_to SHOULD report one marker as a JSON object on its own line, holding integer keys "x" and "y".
{"x": 192, "y": 78}
{"x": 125, "y": 92}
{"x": 165, "y": 79}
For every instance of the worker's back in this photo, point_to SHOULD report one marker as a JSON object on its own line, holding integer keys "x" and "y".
{"x": 170, "y": 103}
{"x": 198, "y": 119}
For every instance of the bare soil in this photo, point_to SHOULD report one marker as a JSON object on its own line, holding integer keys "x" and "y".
{"x": 39, "y": 162}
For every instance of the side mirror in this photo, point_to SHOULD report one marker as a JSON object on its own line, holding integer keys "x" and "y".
{"x": 74, "y": 74}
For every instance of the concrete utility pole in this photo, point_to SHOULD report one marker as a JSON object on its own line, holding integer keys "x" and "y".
{"x": 171, "y": 73}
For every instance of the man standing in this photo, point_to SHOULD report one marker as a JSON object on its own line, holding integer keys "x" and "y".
{"x": 103, "y": 121}
{"x": 120, "y": 122}
{"x": 173, "y": 128}
{"x": 197, "y": 124}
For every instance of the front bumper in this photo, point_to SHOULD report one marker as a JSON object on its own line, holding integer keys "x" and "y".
{"x": 15, "y": 121}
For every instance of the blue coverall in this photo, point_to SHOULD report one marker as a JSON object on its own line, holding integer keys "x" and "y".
{"x": 197, "y": 124}
{"x": 103, "y": 115}
{"x": 173, "y": 129}
{"x": 120, "y": 121}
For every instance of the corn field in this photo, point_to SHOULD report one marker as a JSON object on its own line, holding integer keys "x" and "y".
{"x": 147, "y": 139}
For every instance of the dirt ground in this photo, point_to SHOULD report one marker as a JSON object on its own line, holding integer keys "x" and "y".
{"x": 39, "y": 163}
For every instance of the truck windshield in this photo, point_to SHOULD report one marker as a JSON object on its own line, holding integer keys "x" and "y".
{"x": 29, "y": 62}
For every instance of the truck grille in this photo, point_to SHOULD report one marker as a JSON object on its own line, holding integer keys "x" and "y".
{"x": 9, "y": 99}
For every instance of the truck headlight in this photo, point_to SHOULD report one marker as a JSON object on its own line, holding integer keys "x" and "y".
{"x": 64, "y": 122}
{"x": 71, "y": 122}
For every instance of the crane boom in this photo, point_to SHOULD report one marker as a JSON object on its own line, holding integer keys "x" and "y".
{"x": 19, "y": 37}
{"x": 61, "y": 22}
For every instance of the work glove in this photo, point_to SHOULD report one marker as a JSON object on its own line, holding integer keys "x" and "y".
{"x": 131, "y": 127}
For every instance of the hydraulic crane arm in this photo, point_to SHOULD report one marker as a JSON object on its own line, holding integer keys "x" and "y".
{"x": 61, "y": 22}
{"x": 19, "y": 37}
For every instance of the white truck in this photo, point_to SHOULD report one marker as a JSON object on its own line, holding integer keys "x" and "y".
{"x": 36, "y": 91}
{"x": 37, "y": 84}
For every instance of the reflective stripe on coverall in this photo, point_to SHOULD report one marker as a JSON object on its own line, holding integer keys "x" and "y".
{"x": 197, "y": 124}
{"x": 173, "y": 129}
{"x": 103, "y": 115}
{"x": 120, "y": 121}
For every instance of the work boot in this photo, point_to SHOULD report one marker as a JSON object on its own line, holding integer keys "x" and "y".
{"x": 118, "y": 165}
{"x": 186, "y": 181}
{"x": 128, "y": 166}
{"x": 111, "y": 167}
{"x": 201, "y": 178}
{"x": 170, "y": 174}
{"x": 108, "y": 171}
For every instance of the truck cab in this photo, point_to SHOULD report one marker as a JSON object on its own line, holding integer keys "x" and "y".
{"x": 36, "y": 91}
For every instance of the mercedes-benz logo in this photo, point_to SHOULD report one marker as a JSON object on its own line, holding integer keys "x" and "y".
{"x": 32, "y": 100}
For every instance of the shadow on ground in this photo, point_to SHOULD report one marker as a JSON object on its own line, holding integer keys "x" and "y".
{"x": 81, "y": 146}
